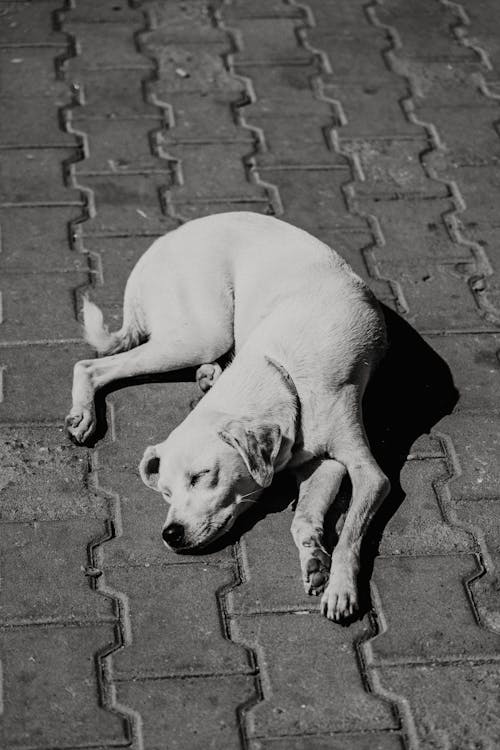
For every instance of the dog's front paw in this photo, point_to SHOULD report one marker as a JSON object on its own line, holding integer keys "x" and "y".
{"x": 315, "y": 571}
{"x": 340, "y": 599}
{"x": 206, "y": 375}
{"x": 80, "y": 424}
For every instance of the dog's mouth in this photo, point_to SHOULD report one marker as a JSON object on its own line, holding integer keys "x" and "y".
{"x": 206, "y": 541}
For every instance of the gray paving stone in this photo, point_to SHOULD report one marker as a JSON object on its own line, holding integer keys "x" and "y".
{"x": 265, "y": 42}
{"x": 175, "y": 623}
{"x": 475, "y": 366}
{"x": 418, "y": 526}
{"x": 478, "y": 185}
{"x": 427, "y": 613}
{"x": 37, "y": 239}
{"x": 201, "y": 70}
{"x": 43, "y": 566}
{"x": 103, "y": 45}
{"x": 120, "y": 146}
{"x": 424, "y": 31}
{"x": 30, "y": 24}
{"x": 117, "y": 93}
{"x": 101, "y": 11}
{"x": 189, "y": 714}
{"x": 33, "y": 310}
{"x": 475, "y": 440}
{"x": 453, "y": 126}
{"x": 325, "y": 657}
{"x": 19, "y": 128}
{"x": 192, "y": 209}
{"x": 32, "y": 381}
{"x": 281, "y": 89}
{"x": 320, "y": 203}
{"x": 354, "y": 56}
{"x": 36, "y": 176}
{"x": 267, "y": 547}
{"x": 30, "y": 72}
{"x": 198, "y": 117}
{"x": 372, "y": 107}
{"x": 392, "y": 166}
{"x": 405, "y": 223}
{"x": 298, "y": 140}
{"x": 454, "y": 705}
{"x": 482, "y": 517}
{"x": 428, "y": 292}
{"x": 44, "y": 478}
{"x": 213, "y": 171}
{"x": 338, "y": 741}
{"x": 50, "y": 690}
{"x": 128, "y": 204}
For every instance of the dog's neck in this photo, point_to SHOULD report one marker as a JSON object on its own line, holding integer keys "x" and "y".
{"x": 255, "y": 386}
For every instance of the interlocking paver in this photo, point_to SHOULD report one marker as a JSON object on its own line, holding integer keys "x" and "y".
{"x": 194, "y": 714}
{"x": 294, "y": 707}
{"x": 184, "y": 635}
{"x": 50, "y": 689}
{"x": 454, "y": 705}
{"x": 373, "y": 125}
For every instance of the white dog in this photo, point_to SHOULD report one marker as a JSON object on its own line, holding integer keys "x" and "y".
{"x": 306, "y": 332}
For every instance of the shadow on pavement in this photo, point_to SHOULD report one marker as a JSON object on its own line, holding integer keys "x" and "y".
{"x": 410, "y": 392}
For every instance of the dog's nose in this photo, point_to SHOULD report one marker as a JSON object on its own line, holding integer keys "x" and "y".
{"x": 173, "y": 534}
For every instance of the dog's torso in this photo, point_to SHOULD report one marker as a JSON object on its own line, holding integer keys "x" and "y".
{"x": 260, "y": 285}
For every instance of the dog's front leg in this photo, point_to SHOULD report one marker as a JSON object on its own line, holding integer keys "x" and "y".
{"x": 369, "y": 488}
{"x": 320, "y": 483}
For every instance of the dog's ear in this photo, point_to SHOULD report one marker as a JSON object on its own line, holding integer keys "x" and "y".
{"x": 257, "y": 444}
{"x": 149, "y": 468}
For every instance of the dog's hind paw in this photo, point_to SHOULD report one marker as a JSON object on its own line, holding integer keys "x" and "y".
{"x": 80, "y": 424}
{"x": 315, "y": 572}
{"x": 206, "y": 375}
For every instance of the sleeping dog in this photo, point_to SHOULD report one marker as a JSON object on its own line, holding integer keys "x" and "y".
{"x": 306, "y": 332}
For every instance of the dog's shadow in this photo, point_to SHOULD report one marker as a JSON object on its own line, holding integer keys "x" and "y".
{"x": 411, "y": 390}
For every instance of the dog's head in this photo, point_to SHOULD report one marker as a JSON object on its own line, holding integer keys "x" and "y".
{"x": 208, "y": 476}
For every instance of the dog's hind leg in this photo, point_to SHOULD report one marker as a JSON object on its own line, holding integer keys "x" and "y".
{"x": 320, "y": 483}
{"x": 90, "y": 375}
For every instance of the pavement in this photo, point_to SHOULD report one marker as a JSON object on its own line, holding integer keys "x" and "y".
{"x": 375, "y": 125}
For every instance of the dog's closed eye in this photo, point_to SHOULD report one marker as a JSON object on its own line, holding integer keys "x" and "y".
{"x": 194, "y": 478}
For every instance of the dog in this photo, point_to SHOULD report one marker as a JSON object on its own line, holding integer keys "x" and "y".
{"x": 306, "y": 332}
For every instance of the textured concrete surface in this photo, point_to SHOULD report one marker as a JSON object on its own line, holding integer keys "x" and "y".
{"x": 374, "y": 124}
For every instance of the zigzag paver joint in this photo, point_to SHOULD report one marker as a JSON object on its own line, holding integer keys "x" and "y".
{"x": 352, "y": 120}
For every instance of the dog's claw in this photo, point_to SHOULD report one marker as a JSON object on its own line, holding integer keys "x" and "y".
{"x": 340, "y": 599}
{"x": 80, "y": 424}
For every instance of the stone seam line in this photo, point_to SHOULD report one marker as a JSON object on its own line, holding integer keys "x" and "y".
{"x": 476, "y": 281}
{"x": 103, "y": 658}
{"x": 369, "y": 253}
{"x": 60, "y": 61}
{"x": 376, "y": 617}
{"x": 399, "y": 706}
{"x": 483, "y": 266}
{"x": 124, "y": 630}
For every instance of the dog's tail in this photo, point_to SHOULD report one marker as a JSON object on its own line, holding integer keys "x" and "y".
{"x": 100, "y": 338}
